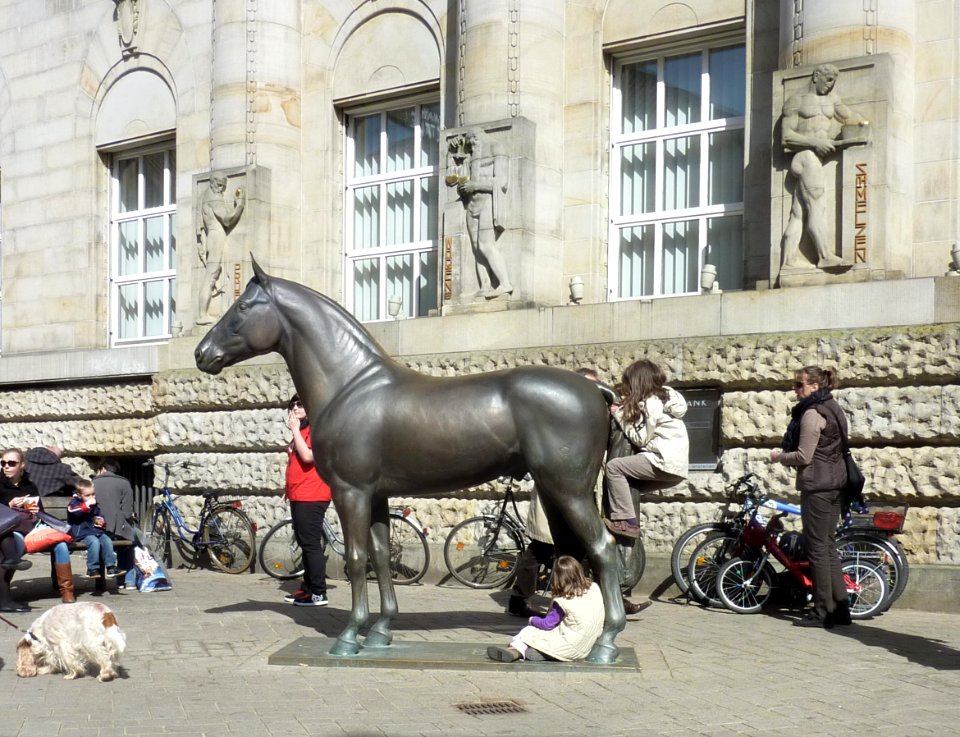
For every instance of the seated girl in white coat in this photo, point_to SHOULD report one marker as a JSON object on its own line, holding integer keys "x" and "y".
{"x": 651, "y": 416}
{"x": 571, "y": 626}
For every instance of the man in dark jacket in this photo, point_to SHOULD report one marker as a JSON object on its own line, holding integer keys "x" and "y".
{"x": 115, "y": 498}
{"x": 49, "y": 473}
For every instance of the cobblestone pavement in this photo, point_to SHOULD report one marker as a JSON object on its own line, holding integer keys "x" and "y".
{"x": 196, "y": 664}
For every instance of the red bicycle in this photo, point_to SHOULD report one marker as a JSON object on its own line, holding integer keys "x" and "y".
{"x": 745, "y": 584}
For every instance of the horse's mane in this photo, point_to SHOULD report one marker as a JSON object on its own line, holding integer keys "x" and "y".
{"x": 288, "y": 294}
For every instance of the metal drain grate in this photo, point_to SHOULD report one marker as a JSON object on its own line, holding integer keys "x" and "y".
{"x": 485, "y": 708}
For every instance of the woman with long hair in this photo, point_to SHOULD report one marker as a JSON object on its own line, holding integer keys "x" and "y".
{"x": 651, "y": 416}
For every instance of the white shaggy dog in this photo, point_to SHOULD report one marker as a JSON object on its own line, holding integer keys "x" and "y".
{"x": 69, "y": 637}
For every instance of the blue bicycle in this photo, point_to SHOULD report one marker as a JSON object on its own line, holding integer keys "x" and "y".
{"x": 224, "y": 531}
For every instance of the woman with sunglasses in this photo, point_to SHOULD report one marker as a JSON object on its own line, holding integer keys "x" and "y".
{"x": 309, "y": 498}
{"x": 813, "y": 444}
{"x": 15, "y": 485}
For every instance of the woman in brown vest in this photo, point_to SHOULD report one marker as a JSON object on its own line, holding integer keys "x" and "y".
{"x": 813, "y": 444}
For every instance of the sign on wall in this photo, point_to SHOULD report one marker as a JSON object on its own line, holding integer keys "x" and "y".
{"x": 703, "y": 427}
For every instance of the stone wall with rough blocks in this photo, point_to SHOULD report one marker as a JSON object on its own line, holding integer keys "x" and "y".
{"x": 899, "y": 386}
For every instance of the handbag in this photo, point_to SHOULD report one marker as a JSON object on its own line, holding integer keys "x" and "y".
{"x": 43, "y": 537}
{"x": 852, "y": 494}
{"x": 14, "y": 520}
{"x": 50, "y": 521}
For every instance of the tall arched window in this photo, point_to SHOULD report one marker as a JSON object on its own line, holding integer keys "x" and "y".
{"x": 136, "y": 137}
{"x": 676, "y": 163}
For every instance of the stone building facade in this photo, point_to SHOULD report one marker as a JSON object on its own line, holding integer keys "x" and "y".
{"x": 733, "y": 188}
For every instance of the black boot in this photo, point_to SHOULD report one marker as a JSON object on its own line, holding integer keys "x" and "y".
{"x": 7, "y": 604}
{"x": 841, "y": 615}
{"x": 11, "y": 559}
{"x": 518, "y": 608}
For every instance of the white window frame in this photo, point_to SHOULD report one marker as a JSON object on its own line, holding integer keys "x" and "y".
{"x": 658, "y": 135}
{"x": 382, "y": 252}
{"x": 140, "y": 279}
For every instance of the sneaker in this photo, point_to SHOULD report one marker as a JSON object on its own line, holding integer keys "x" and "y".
{"x": 622, "y": 528}
{"x": 311, "y": 600}
{"x": 114, "y": 571}
{"x": 92, "y": 573}
{"x": 298, "y": 594}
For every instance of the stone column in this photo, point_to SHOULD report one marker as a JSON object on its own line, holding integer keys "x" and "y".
{"x": 510, "y": 95}
{"x": 872, "y": 44}
{"x": 255, "y": 129}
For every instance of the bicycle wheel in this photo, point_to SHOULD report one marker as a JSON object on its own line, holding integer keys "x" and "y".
{"x": 745, "y": 586}
{"x": 280, "y": 555}
{"x": 866, "y": 589}
{"x": 160, "y": 536}
{"x": 409, "y": 551}
{"x": 482, "y": 552}
{"x": 633, "y": 559}
{"x": 705, "y": 562}
{"x": 685, "y": 545}
{"x": 882, "y": 553}
{"x": 229, "y": 540}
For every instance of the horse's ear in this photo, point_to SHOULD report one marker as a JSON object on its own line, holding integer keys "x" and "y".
{"x": 259, "y": 274}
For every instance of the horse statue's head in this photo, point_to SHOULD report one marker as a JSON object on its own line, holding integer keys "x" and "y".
{"x": 251, "y": 327}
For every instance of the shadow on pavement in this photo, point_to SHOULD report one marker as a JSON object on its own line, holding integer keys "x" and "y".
{"x": 330, "y": 620}
{"x": 920, "y": 650}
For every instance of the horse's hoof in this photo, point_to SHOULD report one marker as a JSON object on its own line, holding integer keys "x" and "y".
{"x": 378, "y": 639}
{"x": 344, "y": 647}
{"x": 603, "y": 654}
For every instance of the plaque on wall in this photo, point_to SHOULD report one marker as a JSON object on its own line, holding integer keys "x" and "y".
{"x": 703, "y": 427}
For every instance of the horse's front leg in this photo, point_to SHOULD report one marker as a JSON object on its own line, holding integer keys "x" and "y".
{"x": 354, "y": 511}
{"x": 380, "y": 634}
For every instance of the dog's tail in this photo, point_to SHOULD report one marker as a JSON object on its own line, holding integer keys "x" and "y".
{"x": 113, "y": 634}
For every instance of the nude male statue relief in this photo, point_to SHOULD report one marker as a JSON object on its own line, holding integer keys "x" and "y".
{"x": 816, "y": 123}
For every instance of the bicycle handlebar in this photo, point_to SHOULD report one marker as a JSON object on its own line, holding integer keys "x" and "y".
{"x": 752, "y": 492}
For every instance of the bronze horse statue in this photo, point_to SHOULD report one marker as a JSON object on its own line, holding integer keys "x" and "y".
{"x": 381, "y": 429}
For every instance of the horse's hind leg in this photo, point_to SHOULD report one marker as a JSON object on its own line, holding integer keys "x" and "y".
{"x": 578, "y": 516}
{"x": 354, "y": 510}
{"x": 380, "y": 634}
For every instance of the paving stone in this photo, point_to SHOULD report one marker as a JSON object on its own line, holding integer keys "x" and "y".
{"x": 198, "y": 663}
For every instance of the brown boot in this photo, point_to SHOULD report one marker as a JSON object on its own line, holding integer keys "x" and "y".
{"x": 65, "y": 582}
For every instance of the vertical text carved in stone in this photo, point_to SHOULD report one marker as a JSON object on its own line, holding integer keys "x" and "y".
{"x": 513, "y": 58}
{"x": 447, "y": 269}
{"x": 860, "y": 216}
{"x": 127, "y": 17}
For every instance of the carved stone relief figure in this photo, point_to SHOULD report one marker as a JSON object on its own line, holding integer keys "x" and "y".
{"x": 816, "y": 124}
{"x": 481, "y": 178}
{"x": 216, "y": 219}
{"x": 127, "y": 17}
